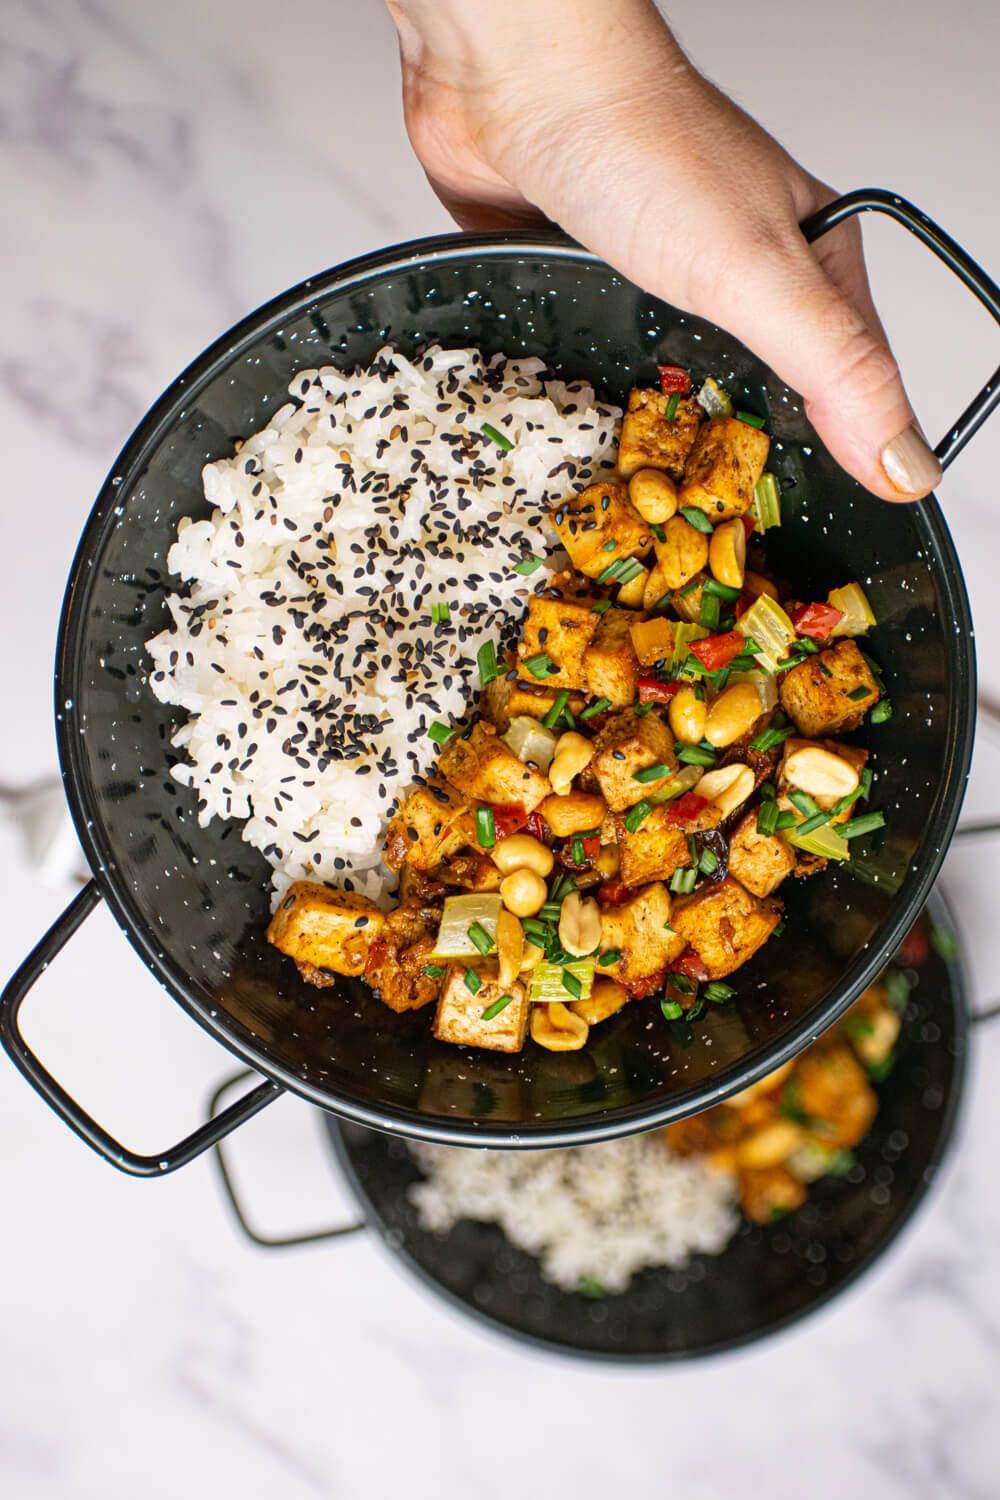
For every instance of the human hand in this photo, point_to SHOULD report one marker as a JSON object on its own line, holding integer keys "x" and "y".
{"x": 588, "y": 114}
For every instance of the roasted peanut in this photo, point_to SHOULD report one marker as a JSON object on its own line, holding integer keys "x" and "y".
{"x": 771, "y": 1145}
{"x": 687, "y": 714}
{"x": 631, "y": 594}
{"x": 820, "y": 773}
{"x": 653, "y": 494}
{"x": 531, "y": 957}
{"x": 523, "y": 892}
{"x": 727, "y": 553}
{"x": 579, "y": 924}
{"x": 606, "y": 997}
{"x": 762, "y": 1086}
{"x": 557, "y": 1028}
{"x": 573, "y": 813}
{"x": 732, "y": 714}
{"x": 756, "y": 584}
{"x": 683, "y": 552}
{"x": 510, "y": 946}
{"x": 573, "y": 754}
{"x": 727, "y": 786}
{"x": 521, "y": 851}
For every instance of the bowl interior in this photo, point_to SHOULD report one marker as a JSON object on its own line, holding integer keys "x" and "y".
{"x": 194, "y": 900}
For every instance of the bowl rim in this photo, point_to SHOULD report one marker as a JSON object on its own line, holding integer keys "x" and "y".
{"x": 594, "y": 1126}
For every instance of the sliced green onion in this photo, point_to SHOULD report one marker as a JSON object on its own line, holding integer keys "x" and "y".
{"x": 658, "y": 531}
{"x": 651, "y": 773}
{"x": 473, "y": 983}
{"x": 857, "y": 827}
{"x": 496, "y": 1007}
{"x": 673, "y": 402}
{"x": 805, "y": 804}
{"x": 577, "y": 850}
{"x": 867, "y": 777}
{"x": 722, "y": 590}
{"x": 672, "y": 1010}
{"x": 827, "y": 673}
{"x": 767, "y": 819}
{"x": 611, "y": 571}
{"x": 607, "y": 959}
{"x": 750, "y": 418}
{"x": 771, "y": 737}
{"x": 541, "y": 665}
{"x": 439, "y": 733}
{"x": 682, "y": 882}
{"x": 810, "y": 825}
{"x": 561, "y": 886}
{"x": 589, "y": 1286}
{"x": 709, "y": 862}
{"x": 695, "y": 755}
{"x": 681, "y": 983}
{"x": 858, "y": 694}
{"x": 708, "y": 614}
{"x": 767, "y": 791}
{"x": 486, "y": 834}
{"x": 571, "y": 984}
{"x": 486, "y": 657}
{"x": 766, "y": 504}
{"x": 717, "y": 992}
{"x": 631, "y": 570}
{"x": 490, "y": 432}
{"x": 600, "y": 606}
{"x": 433, "y": 971}
{"x": 945, "y": 944}
{"x": 688, "y": 588}
{"x": 785, "y": 820}
{"x": 696, "y": 518}
{"x": 593, "y": 709}
{"x": 528, "y": 565}
{"x": 555, "y": 712}
{"x": 480, "y": 938}
{"x": 609, "y": 546}
{"x": 637, "y": 815}
{"x": 848, "y": 800}
{"x": 881, "y": 712}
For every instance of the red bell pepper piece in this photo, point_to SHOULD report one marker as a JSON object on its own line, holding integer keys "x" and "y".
{"x": 717, "y": 651}
{"x": 749, "y": 524}
{"x": 613, "y": 892}
{"x": 690, "y": 964}
{"x": 646, "y": 984}
{"x": 536, "y": 826}
{"x": 816, "y": 620}
{"x": 591, "y": 849}
{"x": 652, "y": 690}
{"x": 673, "y": 378}
{"x": 375, "y": 956}
{"x": 508, "y": 819}
{"x": 914, "y": 949}
{"x": 687, "y": 809}
{"x": 742, "y": 604}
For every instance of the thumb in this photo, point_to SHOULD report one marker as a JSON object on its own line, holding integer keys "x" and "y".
{"x": 830, "y": 347}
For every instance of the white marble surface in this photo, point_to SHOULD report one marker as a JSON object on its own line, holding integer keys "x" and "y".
{"x": 163, "y": 168}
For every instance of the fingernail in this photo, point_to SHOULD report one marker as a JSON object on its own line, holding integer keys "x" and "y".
{"x": 910, "y": 464}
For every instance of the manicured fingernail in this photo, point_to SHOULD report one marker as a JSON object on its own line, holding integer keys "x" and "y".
{"x": 909, "y": 464}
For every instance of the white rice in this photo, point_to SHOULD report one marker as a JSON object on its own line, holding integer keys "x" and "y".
{"x": 302, "y": 646}
{"x": 588, "y": 1213}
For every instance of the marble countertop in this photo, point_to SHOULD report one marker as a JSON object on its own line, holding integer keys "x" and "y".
{"x": 163, "y": 169}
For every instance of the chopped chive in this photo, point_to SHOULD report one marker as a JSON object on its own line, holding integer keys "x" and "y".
{"x": 473, "y": 983}
{"x": 672, "y": 1011}
{"x": 767, "y": 791}
{"x": 494, "y": 436}
{"x": 651, "y": 773}
{"x": 856, "y": 827}
{"x": 571, "y": 984}
{"x": 637, "y": 815}
{"x": 771, "y": 737}
{"x": 630, "y": 571}
{"x": 667, "y": 927}
{"x": 496, "y": 1007}
{"x": 709, "y": 862}
{"x": 848, "y": 800}
{"x": 480, "y": 938}
{"x": 881, "y": 712}
{"x": 673, "y": 401}
{"x": 767, "y": 819}
{"x": 722, "y": 590}
{"x": 433, "y": 971}
{"x": 609, "y": 546}
{"x": 541, "y": 665}
{"x": 550, "y": 911}
{"x": 589, "y": 1286}
{"x": 688, "y": 589}
{"x": 486, "y": 658}
{"x": 440, "y": 613}
{"x": 611, "y": 571}
{"x": 945, "y": 944}
{"x": 785, "y": 820}
{"x": 600, "y": 606}
{"x": 696, "y": 518}
{"x": 750, "y": 418}
{"x": 717, "y": 992}
{"x": 817, "y": 820}
{"x": 694, "y": 755}
{"x": 439, "y": 733}
{"x": 658, "y": 531}
{"x": 577, "y": 850}
{"x": 486, "y": 834}
{"x": 859, "y": 692}
{"x": 607, "y": 959}
{"x": 867, "y": 777}
{"x": 662, "y": 603}
{"x": 780, "y": 927}
{"x": 593, "y": 709}
{"x": 528, "y": 565}
{"x": 804, "y": 803}
{"x": 561, "y": 887}
{"x": 681, "y": 983}
{"x": 682, "y": 882}
{"x": 555, "y": 712}
{"x": 827, "y": 673}
{"x": 708, "y": 614}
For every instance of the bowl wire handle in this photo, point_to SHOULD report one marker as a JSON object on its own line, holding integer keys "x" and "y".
{"x": 12, "y": 1039}
{"x": 878, "y": 200}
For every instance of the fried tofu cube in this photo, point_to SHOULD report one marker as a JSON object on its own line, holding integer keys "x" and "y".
{"x": 562, "y": 628}
{"x": 429, "y": 823}
{"x": 601, "y": 526}
{"x": 610, "y": 665}
{"x": 652, "y": 640}
{"x": 459, "y": 1015}
{"x": 649, "y": 441}
{"x": 833, "y": 1087}
{"x": 817, "y": 693}
{"x": 725, "y": 463}
{"x": 507, "y": 699}
{"x": 640, "y": 930}
{"x": 485, "y": 770}
{"x": 653, "y": 851}
{"x": 725, "y": 924}
{"x": 326, "y": 932}
{"x": 631, "y": 742}
{"x": 758, "y": 861}
{"x": 768, "y": 1193}
{"x": 398, "y": 963}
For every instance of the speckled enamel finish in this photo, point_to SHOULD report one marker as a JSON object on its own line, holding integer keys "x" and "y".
{"x": 193, "y": 901}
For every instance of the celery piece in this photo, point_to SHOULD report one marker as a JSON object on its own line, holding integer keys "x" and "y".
{"x": 547, "y": 985}
{"x": 825, "y": 841}
{"x": 713, "y": 400}
{"x": 853, "y": 603}
{"x": 766, "y": 505}
{"x": 531, "y": 740}
{"x": 771, "y": 630}
{"x": 458, "y": 915}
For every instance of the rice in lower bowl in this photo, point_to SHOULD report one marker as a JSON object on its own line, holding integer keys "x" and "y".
{"x": 592, "y": 1215}
{"x": 303, "y": 646}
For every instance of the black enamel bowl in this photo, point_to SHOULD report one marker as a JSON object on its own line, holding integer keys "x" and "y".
{"x": 193, "y": 901}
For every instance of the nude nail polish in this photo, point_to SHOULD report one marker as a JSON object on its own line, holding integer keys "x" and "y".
{"x": 909, "y": 463}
